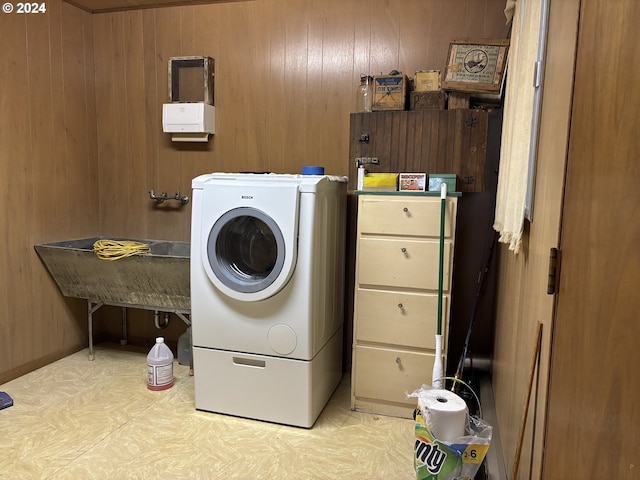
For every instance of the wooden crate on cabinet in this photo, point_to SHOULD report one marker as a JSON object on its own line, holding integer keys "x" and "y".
{"x": 396, "y": 297}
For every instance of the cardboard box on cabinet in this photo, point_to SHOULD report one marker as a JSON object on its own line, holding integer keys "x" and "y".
{"x": 390, "y": 92}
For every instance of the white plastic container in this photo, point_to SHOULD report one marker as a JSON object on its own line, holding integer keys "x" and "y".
{"x": 160, "y": 366}
{"x": 184, "y": 348}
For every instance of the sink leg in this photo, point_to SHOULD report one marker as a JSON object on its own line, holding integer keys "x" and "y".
{"x": 123, "y": 337}
{"x": 91, "y": 308}
{"x": 90, "y": 321}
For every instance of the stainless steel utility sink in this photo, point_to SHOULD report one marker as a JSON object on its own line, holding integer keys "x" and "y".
{"x": 159, "y": 279}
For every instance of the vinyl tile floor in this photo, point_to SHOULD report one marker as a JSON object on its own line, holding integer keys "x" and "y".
{"x": 76, "y": 419}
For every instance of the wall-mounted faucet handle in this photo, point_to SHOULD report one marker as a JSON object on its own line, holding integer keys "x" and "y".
{"x": 163, "y": 196}
{"x": 158, "y": 198}
{"x": 182, "y": 199}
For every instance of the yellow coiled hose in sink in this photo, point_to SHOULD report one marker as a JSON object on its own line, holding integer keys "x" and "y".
{"x": 117, "y": 249}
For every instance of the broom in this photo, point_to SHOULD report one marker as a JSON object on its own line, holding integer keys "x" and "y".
{"x": 438, "y": 373}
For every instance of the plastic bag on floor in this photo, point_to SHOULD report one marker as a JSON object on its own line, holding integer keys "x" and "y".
{"x": 456, "y": 458}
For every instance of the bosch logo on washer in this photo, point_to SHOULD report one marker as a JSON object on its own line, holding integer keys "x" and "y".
{"x": 246, "y": 197}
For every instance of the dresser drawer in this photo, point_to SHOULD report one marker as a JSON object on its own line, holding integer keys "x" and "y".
{"x": 407, "y": 215}
{"x": 398, "y": 318}
{"x": 388, "y": 375}
{"x": 402, "y": 263}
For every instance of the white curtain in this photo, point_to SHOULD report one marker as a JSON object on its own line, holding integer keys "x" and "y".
{"x": 517, "y": 121}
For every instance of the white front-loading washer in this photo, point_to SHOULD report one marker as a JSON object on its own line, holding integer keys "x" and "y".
{"x": 267, "y": 283}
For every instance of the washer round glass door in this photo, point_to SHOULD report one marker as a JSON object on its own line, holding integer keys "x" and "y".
{"x": 246, "y": 251}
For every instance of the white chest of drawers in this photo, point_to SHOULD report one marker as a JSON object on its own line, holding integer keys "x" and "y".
{"x": 396, "y": 297}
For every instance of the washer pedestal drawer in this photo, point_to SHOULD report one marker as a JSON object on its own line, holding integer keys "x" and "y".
{"x": 261, "y": 387}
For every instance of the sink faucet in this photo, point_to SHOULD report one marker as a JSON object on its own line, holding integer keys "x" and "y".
{"x": 163, "y": 196}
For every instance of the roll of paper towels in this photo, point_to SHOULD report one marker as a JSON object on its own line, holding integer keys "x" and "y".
{"x": 444, "y": 413}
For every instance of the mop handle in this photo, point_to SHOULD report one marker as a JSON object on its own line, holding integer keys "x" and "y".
{"x": 443, "y": 191}
{"x": 438, "y": 370}
{"x": 443, "y": 200}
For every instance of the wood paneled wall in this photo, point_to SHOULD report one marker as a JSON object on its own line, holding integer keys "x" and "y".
{"x": 82, "y": 142}
{"x": 48, "y": 177}
{"x": 286, "y": 74}
{"x": 285, "y": 81}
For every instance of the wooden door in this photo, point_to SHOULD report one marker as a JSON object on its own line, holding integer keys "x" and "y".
{"x": 594, "y": 394}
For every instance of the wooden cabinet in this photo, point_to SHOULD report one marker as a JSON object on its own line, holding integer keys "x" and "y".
{"x": 430, "y": 141}
{"x": 396, "y": 297}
